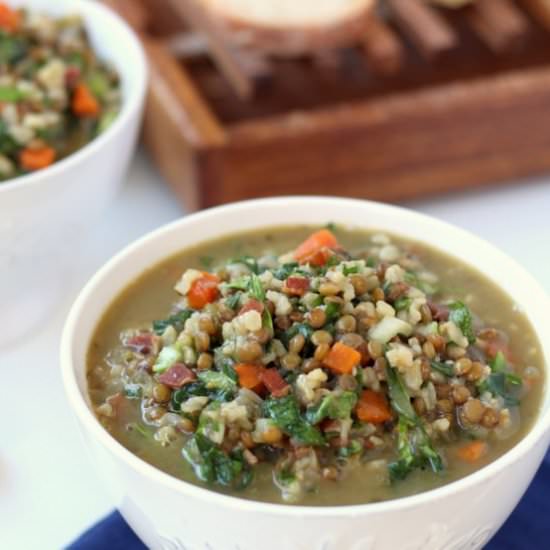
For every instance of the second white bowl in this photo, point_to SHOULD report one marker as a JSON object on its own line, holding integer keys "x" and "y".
{"x": 44, "y": 215}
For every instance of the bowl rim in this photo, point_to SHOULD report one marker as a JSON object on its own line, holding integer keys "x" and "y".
{"x": 89, "y": 421}
{"x": 129, "y": 107}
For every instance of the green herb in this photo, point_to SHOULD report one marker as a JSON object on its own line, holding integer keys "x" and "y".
{"x": 353, "y": 448}
{"x": 291, "y": 376}
{"x": 212, "y": 465}
{"x": 331, "y": 226}
{"x": 427, "y": 453}
{"x": 247, "y": 473}
{"x": 7, "y": 143}
{"x": 224, "y": 364}
{"x": 168, "y": 356}
{"x": 332, "y": 311}
{"x": 99, "y": 84}
{"x": 248, "y": 261}
{"x": 76, "y": 59}
{"x": 11, "y": 49}
{"x": 501, "y": 382}
{"x": 195, "y": 389}
{"x": 446, "y": 369}
{"x": 333, "y": 261}
{"x": 177, "y": 321}
{"x": 222, "y": 381}
{"x": 267, "y": 321}
{"x": 285, "y": 477}
{"x": 414, "y": 447}
{"x": 242, "y": 283}
{"x": 220, "y": 384}
{"x": 401, "y": 468}
{"x": 350, "y": 269}
{"x": 285, "y": 412}
{"x": 499, "y": 363}
{"x": 399, "y": 398}
{"x": 54, "y": 133}
{"x": 10, "y": 94}
{"x": 402, "y": 303}
{"x": 321, "y": 271}
{"x": 514, "y": 379}
{"x": 335, "y": 406}
{"x": 233, "y": 300}
{"x": 297, "y": 328}
{"x": 497, "y": 384}
{"x": 414, "y": 450}
{"x": 460, "y": 315}
{"x": 255, "y": 288}
{"x": 316, "y": 302}
{"x": 132, "y": 391}
{"x": 371, "y": 261}
{"x": 286, "y": 270}
{"x": 227, "y": 369}
{"x": 360, "y": 378}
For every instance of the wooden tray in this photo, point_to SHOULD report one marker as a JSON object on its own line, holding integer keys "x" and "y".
{"x": 430, "y": 101}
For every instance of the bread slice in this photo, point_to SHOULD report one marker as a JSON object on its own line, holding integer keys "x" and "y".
{"x": 291, "y": 27}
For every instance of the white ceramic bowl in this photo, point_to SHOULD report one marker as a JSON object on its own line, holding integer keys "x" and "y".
{"x": 171, "y": 514}
{"x": 44, "y": 215}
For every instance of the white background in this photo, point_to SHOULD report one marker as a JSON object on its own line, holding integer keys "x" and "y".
{"x": 49, "y": 491}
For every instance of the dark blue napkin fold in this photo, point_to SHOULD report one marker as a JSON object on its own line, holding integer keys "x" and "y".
{"x": 525, "y": 529}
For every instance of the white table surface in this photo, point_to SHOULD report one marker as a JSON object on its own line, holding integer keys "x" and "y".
{"x": 49, "y": 491}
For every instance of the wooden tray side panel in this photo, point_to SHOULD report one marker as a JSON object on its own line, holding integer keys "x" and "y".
{"x": 173, "y": 155}
{"x": 178, "y": 125}
{"x": 436, "y": 141}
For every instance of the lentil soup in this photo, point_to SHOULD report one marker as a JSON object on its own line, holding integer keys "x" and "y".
{"x": 315, "y": 366}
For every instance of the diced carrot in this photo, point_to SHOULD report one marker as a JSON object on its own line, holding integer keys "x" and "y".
{"x": 84, "y": 104}
{"x": 373, "y": 407}
{"x": 342, "y": 358}
{"x": 203, "y": 291}
{"x": 274, "y": 382}
{"x": 316, "y": 249}
{"x": 472, "y": 452}
{"x": 35, "y": 159}
{"x": 9, "y": 18}
{"x": 250, "y": 376}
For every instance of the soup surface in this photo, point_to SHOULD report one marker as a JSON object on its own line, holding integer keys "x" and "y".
{"x": 315, "y": 366}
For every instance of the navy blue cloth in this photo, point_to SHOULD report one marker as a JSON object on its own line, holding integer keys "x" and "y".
{"x": 525, "y": 529}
